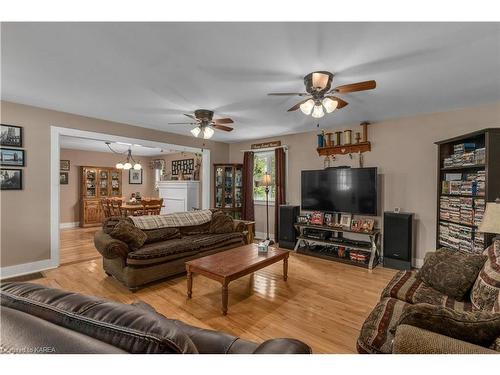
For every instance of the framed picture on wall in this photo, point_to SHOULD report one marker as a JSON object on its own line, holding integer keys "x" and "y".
{"x": 63, "y": 178}
{"x": 135, "y": 176}
{"x": 64, "y": 165}
{"x": 12, "y": 157}
{"x": 11, "y": 179}
{"x": 11, "y": 135}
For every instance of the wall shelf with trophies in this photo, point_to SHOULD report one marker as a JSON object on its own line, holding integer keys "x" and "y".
{"x": 341, "y": 142}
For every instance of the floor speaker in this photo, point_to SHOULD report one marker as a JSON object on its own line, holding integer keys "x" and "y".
{"x": 287, "y": 234}
{"x": 398, "y": 240}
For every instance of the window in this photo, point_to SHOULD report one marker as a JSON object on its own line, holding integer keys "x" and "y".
{"x": 263, "y": 162}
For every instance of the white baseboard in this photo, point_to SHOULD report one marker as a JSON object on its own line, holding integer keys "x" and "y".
{"x": 74, "y": 224}
{"x": 27, "y": 268}
{"x": 263, "y": 235}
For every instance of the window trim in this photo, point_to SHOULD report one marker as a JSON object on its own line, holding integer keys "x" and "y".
{"x": 271, "y": 199}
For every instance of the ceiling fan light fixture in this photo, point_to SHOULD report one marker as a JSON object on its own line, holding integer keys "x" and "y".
{"x": 318, "y": 111}
{"x": 319, "y": 80}
{"x": 330, "y": 105}
{"x": 307, "y": 107}
{"x": 208, "y": 132}
{"x": 196, "y": 131}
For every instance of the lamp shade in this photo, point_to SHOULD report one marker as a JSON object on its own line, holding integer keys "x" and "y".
{"x": 266, "y": 179}
{"x": 330, "y": 105}
{"x": 119, "y": 165}
{"x": 318, "y": 111}
{"x": 319, "y": 80}
{"x": 208, "y": 132}
{"x": 491, "y": 219}
{"x": 307, "y": 107}
{"x": 196, "y": 131}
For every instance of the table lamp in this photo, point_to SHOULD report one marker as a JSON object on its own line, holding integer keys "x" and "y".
{"x": 491, "y": 219}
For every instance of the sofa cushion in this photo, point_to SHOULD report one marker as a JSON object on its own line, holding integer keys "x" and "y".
{"x": 128, "y": 233}
{"x": 126, "y": 327}
{"x": 477, "y": 327}
{"x": 157, "y": 252}
{"x": 451, "y": 272}
{"x": 485, "y": 294}
{"x": 376, "y": 334}
{"x": 195, "y": 229}
{"x": 407, "y": 287}
{"x": 212, "y": 241}
{"x": 161, "y": 234}
{"x": 221, "y": 223}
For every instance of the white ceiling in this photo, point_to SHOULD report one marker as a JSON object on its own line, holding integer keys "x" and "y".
{"x": 148, "y": 74}
{"x": 86, "y": 144}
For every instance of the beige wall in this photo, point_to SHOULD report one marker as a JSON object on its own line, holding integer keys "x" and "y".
{"x": 406, "y": 157}
{"x": 25, "y": 215}
{"x": 70, "y": 193}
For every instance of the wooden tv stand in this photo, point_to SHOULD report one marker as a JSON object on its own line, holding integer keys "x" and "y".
{"x": 373, "y": 249}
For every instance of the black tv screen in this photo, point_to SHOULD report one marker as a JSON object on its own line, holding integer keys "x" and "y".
{"x": 351, "y": 190}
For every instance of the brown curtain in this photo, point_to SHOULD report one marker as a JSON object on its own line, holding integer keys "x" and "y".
{"x": 247, "y": 209}
{"x": 280, "y": 181}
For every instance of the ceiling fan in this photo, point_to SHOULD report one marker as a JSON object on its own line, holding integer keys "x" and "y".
{"x": 205, "y": 124}
{"x": 318, "y": 88}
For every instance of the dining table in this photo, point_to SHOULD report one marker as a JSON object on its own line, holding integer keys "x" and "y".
{"x": 130, "y": 209}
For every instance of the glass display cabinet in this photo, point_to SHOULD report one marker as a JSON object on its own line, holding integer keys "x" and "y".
{"x": 228, "y": 188}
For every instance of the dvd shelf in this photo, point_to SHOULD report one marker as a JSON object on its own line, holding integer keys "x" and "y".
{"x": 468, "y": 177}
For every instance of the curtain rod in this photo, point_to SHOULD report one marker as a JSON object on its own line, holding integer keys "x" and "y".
{"x": 266, "y": 149}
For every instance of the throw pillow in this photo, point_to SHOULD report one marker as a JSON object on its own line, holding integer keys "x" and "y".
{"x": 129, "y": 233}
{"x": 161, "y": 234}
{"x": 110, "y": 223}
{"x": 451, "y": 272}
{"x": 221, "y": 223}
{"x": 477, "y": 327}
{"x": 485, "y": 294}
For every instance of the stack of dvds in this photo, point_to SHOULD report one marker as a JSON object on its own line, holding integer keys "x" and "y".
{"x": 448, "y": 162}
{"x": 444, "y": 208}
{"x": 454, "y": 210}
{"x": 480, "y": 156}
{"x": 465, "y": 237}
{"x": 444, "y": 235}
{"x": 481, "y": 182}
{"x": 479, "y": 206}
{"x": 478, "y": 243}
{"x": 466, "y": 211}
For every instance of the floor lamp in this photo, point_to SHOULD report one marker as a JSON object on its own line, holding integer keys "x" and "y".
{"x": 266, "y": 182}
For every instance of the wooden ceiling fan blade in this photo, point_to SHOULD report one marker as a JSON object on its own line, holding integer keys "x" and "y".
{"x": 342, "y": 103}
{"x": 359, "y": 86}
{"x": 288, "y": 93}
{"x": 223, "y": 121}
{"x": 222, "y": 127}
{"x": 297, "y": 106}
{"x": 190, "y": 116}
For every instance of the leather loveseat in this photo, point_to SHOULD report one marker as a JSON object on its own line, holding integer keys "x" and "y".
{"x": 37, "y": 319}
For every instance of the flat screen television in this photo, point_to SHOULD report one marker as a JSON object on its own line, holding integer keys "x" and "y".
{"x": 351, "y": 190}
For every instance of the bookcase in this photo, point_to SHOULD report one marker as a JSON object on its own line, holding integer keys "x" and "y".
{"x": 228, "y": 189}
{"x": 468, "y": 177}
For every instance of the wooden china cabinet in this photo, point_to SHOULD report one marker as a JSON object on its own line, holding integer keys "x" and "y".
{"x": 228, "y": 188}
{"x": 97, "y": 183}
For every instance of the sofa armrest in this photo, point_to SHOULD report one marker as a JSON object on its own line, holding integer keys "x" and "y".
{"x": 110, "y": 247}
{"x": 413, "y": 340}
{"x": 283, "y": 346}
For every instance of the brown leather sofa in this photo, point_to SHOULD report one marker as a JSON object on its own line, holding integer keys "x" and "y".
{"x": 37, "y": 319}
{"x": 160, "y": 258}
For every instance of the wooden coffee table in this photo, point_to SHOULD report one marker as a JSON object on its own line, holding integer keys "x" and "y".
{"x": 230, "y": 265}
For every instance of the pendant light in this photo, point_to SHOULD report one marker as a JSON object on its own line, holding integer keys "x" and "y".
{"x": 127, "y": 163}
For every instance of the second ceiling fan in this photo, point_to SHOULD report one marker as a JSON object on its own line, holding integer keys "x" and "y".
{"x": 205, "y": 123}
{"x": 318, "y": 89}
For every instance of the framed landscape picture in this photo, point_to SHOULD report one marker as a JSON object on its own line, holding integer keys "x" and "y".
{"x": 135, "y": 176}
{"x": 12, "y": 157}
{"x": 11, "y": 179}
{"x": 11, "y": 135}
{"x": 64, "y": 165}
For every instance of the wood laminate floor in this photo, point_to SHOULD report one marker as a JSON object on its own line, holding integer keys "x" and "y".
{"x": 323, "y": 303}
{"x": 77, "y": 245}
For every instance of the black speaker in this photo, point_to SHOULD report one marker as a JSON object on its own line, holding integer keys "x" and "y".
{"x": 287, "y": 234}
{"x": 398, "y": 240}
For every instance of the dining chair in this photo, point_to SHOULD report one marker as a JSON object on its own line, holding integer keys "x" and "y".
{"x": 152, "y": 206}
{"x": 105, "y": 207}
{"x": 115, "y": 205}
